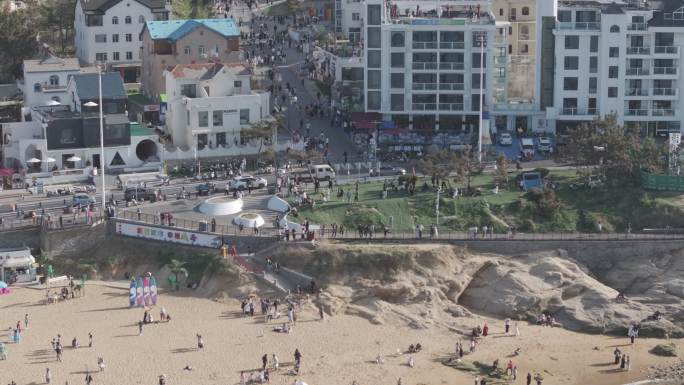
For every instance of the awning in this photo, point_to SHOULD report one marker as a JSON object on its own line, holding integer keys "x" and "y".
{"x": 19, "y": 262}
{"x": 365, "y": 120}
{"x": 6, "y": 172}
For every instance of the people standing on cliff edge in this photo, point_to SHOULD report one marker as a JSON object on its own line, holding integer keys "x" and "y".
{"x": 485, "y": 330}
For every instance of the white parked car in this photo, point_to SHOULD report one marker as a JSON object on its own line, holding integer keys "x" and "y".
{"x": 544, "y": 144}
{"x": 505, "y": 139}
{"x": 243, "y": 182}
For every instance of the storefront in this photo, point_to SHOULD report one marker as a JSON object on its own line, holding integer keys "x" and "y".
{"x": 17, "y": 265}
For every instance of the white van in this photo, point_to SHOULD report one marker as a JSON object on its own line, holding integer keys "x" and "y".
{"x": 323, "y": 172}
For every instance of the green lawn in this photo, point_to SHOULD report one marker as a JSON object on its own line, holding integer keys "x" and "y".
{"x": 615, "y": 208}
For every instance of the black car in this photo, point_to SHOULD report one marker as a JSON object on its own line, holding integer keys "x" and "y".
{"x": 205, "y": 188}
{"x": 140, "y": 194}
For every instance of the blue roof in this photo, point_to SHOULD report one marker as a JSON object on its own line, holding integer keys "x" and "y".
{"x": 176, "y": 29}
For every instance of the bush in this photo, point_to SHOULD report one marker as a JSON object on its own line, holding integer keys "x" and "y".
{"x": 364, "y": 216}
{"x": 548, "y": 203}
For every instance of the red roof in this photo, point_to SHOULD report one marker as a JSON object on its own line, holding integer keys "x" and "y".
{"x": 6, "y": 172}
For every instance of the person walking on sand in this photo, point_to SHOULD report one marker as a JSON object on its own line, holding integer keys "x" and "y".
{"x": 243, "y": 378}
{"x": 140, "y": 327}
{"x": 276, "y": 362}
{"x": 297, "y": 357}
{"x": 507, "y": 325}
{"x": 162, "y": 379}
{"x": 48, "y": 376}
{"x": 200, "y": 342}
{"x": 627, "y": 363}
{"x": 26, "y": 321}
{"x": 264, "y": 361}
{"x": 485, "y": 330}
{"x": 90, "y": 339}
{"x": 529, "y": 379}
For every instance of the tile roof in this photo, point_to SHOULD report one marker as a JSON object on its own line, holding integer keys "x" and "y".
{"x": 176, "y": 29}
{"x": 51, "y": 63}
{"x": 103, "y": 5}
{"x": 196, "y": 71}
{"x": 112, "y": 86}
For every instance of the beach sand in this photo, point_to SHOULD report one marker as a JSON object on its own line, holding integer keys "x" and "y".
{"x": 335, "y": 351}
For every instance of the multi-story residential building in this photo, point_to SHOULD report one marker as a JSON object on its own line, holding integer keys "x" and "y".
{"x": 166, "y": 44}
{"x": 349, "y": 19}
{"x": 209, "y": 104}
{"x": 45, "y": 80}
{"x": 108, "y": 31}
{"x": 619, "y": 59}
{"x": 424, "y": 63}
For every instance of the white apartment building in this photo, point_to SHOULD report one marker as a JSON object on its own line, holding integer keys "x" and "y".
{"x": 423, "y": 62}
{"x": 45, "y": 80}
{"x": 108, "y": 31}
{"x": 621, "y": 59}
{"x": 210, "y": 103}
{"x": 349, "y": 19}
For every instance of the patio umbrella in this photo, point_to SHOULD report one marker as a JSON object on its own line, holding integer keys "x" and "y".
{"x": 33, "y": 160}
{"x": 3, "y": 285}
{"x": 74, "y": 159}
{"x": 53, "y": 103}
{"x": 49, "y": 160}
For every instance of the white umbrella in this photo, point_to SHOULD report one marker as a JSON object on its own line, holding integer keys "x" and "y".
{"x": 33, "y": 160}
{"x": 53, "y": 103}
{"x": 74, "y": 159}
{"x": 50, "y": 160}
{"x": 90, "y": 104}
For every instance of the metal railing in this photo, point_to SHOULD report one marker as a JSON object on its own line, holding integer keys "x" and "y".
{"x": 424, "y": 106}
{"x": 581, "y": 26}
{"x": 637, "y": 27}
{"x": 666, "y": 50}
{"x": 636, "y": 71}
{"x": 665, "y": 70}
{"x": 451, "y": 106}
{"x": 424, "y": 86}
{"x": 424, "y": 45}
{"x": 452, "y": 45}
{"x": 451, "y": 66}
{"x": 49, "y": 221}
{"x": 665, "y": 91}
{"x": 637, "y": 92}
{"x": 636, "y": 112}
{"x": 638, "y": 50}
{"x": 451, "y": 86}
{"x": 424, "y": 65}
{"x": 662, "y": 112}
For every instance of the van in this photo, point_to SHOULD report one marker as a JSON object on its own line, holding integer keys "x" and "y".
{"x": 323, "y": 172}
{"x": 140, "y": 194}
{"x": 527, "y": 150}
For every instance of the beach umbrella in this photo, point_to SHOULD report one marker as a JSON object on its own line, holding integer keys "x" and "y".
{"x": 74, "y": 159}
{"x": 50, "y": 160}
{"x": 33, "y": 160}
{"x": 3, "y": 285}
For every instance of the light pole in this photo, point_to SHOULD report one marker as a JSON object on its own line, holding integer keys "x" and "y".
{"x": 102, "y": 158}
{"x": 481, "y": 39}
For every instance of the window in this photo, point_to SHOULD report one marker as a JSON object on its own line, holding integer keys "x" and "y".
{"x": 593, "y": 44}
{"x": 397, "y": 80}
{"x": 612, "y": 92}
{"x": 356, "y": 16}
{"x": 572, "y": 42}
{"x": 101, "y": 56}
{"x": 373, "y": 37}
{"x": 397, "y": 102}
{"x": 614, "y": 51}
{"x": 374, "y": 79}
{"x": 571, "y": 62}
{"x": 613, "y": 72}
{"x": 186, "y": 50}
{"x": 593, "y": 82}
{"x": 129, "y": 55}
{"x": 202, "y": 52}
{"x": 525, "y": 11}
{"x": 221, "y": 137}
{"x": 398, "y": 39}
{"x": 244, "y": 116}
{"x": 593, "y": 64}
{"x": 591, "y": 106}
{"x": 500, "y": 11}
{"x": 101, "y": 38}
{"x": 115, "y": 20}
{"x": 475, "y": 81}
{"x": 397, "y": 60}
{"x": 141, "y": 19}
{"x": 373, "y": 100}
{"x": 128, "y": 20}
{"x": 203, "y": 118}
{"x": 115, "y": 56}
{"x": 237, "y": 84}
{"x": 570, "y": 84}
{"x": 524, "y": 32}
{"x": 36, "y": 87}
{"x": 475, "y": 102}
{"x": 565, "y": 16}
{"x": 476, "y": 60}
{"x": 373, "y": 59}
{"x": 54, "y": 80}
{"x": 188, "y": 90}
{"x": 614, "y": 29}
{"x": 217, "y": 118}
{"x": 115, "y": 38}
{"x": 129, "y": 37}
{"x": 374, "y": 14}
{"x": 510, "y": 31}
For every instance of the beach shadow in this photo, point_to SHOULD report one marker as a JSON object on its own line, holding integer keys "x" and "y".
{"x": 608, "y": 371}
{"x": 603, "y": 364}
{"x": 232, "y": 315}
{"x": 15, "y": 305}
{"x": 106, "y": 309}
{"x": 618, "y": 345}
{"x": 126, "y": 335}
{"x": 83, "y": 372}
{"x": 503, "y": 335}
{"x": 184, "y": 350}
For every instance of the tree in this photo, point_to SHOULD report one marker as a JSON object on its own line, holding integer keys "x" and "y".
{"x": 501, "y": 174}
{"x": 438, "y": 165}
{"x": 177, "y": 268}
{"x": 261, "y": 131}
{"x": 18, "y": 41}
{"x": 56, "y": 21}
{"x": 466, "y": 167}
{"x": 191, "y": 9}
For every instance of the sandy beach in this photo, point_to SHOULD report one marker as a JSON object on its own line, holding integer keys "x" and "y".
{"x": 335, "y": 351}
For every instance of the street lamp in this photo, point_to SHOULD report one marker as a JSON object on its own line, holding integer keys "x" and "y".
{"x": 481, "y": 39}
{"x": 102, "y": 158}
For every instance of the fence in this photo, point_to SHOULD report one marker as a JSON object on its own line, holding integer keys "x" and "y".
{"x": 354, "y": 234}
{"x": 48, "y": 222}
{"x": 662, "y": 182}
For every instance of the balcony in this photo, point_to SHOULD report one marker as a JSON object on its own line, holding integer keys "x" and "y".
{"x": 665, "y": 71}
{"x": 637, "y": 27}
{"x": 451, "y": 106}
{"x": 638, "y": 50}
{"x": 580, "y": 26}
{"x": 451, "y": 66}
{"x": 636, "y": 112}
{"x": 424, "y": 86}
{"x": 424, "y": 45}
{"x": 500, "y": 60}
{"x": 667, "y": 50}
{"x": 636, "y": 92}
{"x": 424, "y": 106}
{"x": 53, "y": 87}
{"x": 662, "y": 112}
{"x": 500, "y": 39}
{"x": 665, "y": 92}
{"x": 452, "y": 45}
{"x": 451, "y": 86}
{"x": 424, "y": 65}
{"x": 637, "y": 71}
{"x": 578, "y": 111}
